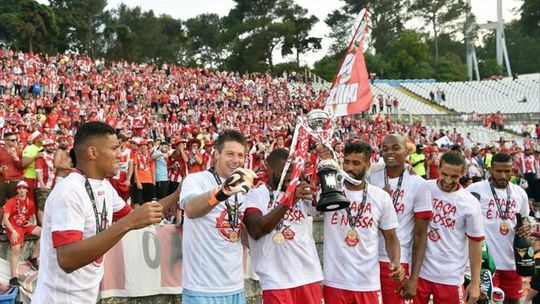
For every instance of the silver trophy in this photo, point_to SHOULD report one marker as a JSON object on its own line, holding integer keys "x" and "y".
{"x": 330, "y": 175}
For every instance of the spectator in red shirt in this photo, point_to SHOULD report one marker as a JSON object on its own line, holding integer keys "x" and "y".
{"x": 18, "y": 211}
{"x": 10, "y": 167}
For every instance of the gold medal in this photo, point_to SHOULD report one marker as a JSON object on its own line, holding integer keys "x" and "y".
{"x": 233, "y": 236}
{"x": 504, "y": 227}
{"x": 352, "y": 234}
{"x": 278, "y": 238}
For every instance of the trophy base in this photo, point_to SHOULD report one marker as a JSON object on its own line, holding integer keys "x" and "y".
{"x": 332, "y": 203}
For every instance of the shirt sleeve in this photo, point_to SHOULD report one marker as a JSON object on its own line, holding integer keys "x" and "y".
{"x": 40, "y": 162}
{"x": 422, "y": 207}
{"x": 8, "y": 207}
{"x": 27, "y": 152}
{"x": 190, "y": 187}
{"x": 474, "y": 227}
{"x": 253, "y": 200}
{"x": 388, "y": 213}
{"x": 69, "y": 213}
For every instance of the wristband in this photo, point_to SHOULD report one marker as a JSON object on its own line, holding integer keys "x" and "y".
{"x": 220, "y": 195}
{"x": 213, "y": 201}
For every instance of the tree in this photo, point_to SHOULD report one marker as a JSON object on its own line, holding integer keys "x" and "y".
{"x": 81, "y": 23}
{"x": 410, "y": 57}
{"x": 451, "y": 68}
{"x": 257, "y": 28}
{"x": 28, "y": 24}
{"x": 208, "y": 41}
{"x": 387, "y": 18}
{"x": 299, "y": 25}
{"x": 441, "y": 15}
{"x": 530, "y": 15}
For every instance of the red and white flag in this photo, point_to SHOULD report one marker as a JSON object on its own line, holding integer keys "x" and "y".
{"x": 350, "y": 92}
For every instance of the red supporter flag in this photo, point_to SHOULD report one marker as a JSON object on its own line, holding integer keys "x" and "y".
{"x": 350, "y": 93}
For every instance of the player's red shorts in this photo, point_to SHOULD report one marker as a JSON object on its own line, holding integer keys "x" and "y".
{"x": 388, "y": 286}
{"x": 22, "y": 231}
{"x": 510, "y": 282}
{"x": 342, "y": 296}
{"x": 309, "y": 294}
{"x": 442, "y": 294}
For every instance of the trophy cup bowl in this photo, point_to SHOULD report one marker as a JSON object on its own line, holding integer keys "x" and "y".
{"x": 331, "y": 182}
{"x": 317, "y": 120}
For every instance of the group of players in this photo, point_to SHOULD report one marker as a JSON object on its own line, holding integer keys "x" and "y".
{"x": 402, "y": 239}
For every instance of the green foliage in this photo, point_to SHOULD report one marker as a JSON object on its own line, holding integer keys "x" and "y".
{"x": 410, "y": 58}
{"x": 530, "y": 16}
{"x": 328, "y": 66}
{"x": 207, "y": 39}
{"x": 451, "y": 68}
{"x": 441, "y": 15}
{"x": 28, "y": 25}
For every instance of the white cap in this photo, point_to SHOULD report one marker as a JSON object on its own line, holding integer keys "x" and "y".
{"x": 33, "y": 136}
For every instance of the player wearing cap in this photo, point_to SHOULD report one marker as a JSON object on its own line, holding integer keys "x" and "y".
{"x": 412, "y": 202}
{"x": 455, "y": 234}
{"x": 500, "y": 201}
{"x": 18, "y": 212}
{"x": 282, "y": 247}
{"x": 212, "y": 201}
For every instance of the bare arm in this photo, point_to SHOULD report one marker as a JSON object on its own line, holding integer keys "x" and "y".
{"x": 27, "y": 161}
{"x": 475, "y": 257}
{"x": 81, "y": 253}
{"x": 393, "y": 248}
{"x": 7, "y": 223}
{"x": 258, "y": 225}
{"x": 419, "y": 246}
{"x": 199, "y": 205}
{"x": 130, "y": 171}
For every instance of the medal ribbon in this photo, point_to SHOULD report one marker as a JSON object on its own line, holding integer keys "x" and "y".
{"x": 395, "y": 195}
{"x": 232, "y": 213}
{"x": 352, "y": 223}
{"x": 504, "y": 215}
{"x": 100, "y": 221}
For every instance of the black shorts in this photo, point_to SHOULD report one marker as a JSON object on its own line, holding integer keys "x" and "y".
{"x": 147, "y": 194}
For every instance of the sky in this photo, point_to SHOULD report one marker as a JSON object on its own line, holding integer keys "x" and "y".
{"x": 485, "y": 10}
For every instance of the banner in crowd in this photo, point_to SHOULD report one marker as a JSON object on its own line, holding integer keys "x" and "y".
{"x": 145, "y": 262}
{"x": 350, "y": 92}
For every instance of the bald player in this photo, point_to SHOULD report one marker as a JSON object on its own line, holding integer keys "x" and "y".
{"x": 412, "y": 202}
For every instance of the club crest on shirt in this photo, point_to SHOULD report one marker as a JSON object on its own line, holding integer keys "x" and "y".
{"x": 225, "y": 229}
{"x": 433, "y": 234}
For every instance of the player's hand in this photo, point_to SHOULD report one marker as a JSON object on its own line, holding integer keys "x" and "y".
{"x": 397, "y": 273}
{"x": 407, "y": 288}
{"x": 241, "y": 180}
{"x": 525, "y": 229}
{"x": 139, "y": 186}
{"x": 127, "y": 183}
{"x": 323, "y": 152}
{"x": 302, "y": 191}
{"x": 14, "y": 237}
{"x": 146, "y": 214}
{"x": 472, "y": 293}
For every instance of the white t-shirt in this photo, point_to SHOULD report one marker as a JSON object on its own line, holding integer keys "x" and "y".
{"x": 292, "y": 263}
{"x": 500, "y": 240}
{"x": 414, "y": 200}
{"x": 68, "y": 208}
{"x": 456, "y": 217}
{"x": 211, "y": 261}
{"x": 356, "y": 268}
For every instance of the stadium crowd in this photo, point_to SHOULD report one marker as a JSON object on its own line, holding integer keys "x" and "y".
{"x": 168, "y": 119}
